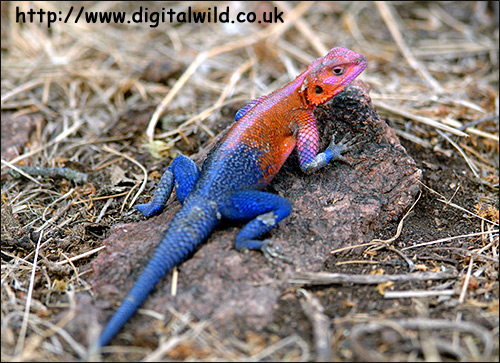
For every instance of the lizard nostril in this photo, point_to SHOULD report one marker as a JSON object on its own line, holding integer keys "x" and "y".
{"x": 361, "y": 59}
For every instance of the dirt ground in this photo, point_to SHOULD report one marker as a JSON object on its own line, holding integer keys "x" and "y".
{"x": 113, "y": 103}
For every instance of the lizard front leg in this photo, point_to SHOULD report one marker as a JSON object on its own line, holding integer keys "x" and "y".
{"x": 307, "y": 146}
{"x": 184, "y": 173}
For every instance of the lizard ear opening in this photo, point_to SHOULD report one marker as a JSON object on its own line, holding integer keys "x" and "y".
{"x": 320, "y": 92}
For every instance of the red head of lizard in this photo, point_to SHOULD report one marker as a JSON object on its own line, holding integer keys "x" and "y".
{"x": 329, "y": 75}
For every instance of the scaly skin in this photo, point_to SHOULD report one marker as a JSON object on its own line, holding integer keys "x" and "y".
{"x": 244, "y": 161}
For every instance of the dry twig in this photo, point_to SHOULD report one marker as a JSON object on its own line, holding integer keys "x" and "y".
{"x": 321, "y": 325}
{"x": 326, "y": 278}
{"x": 387, "y": 14}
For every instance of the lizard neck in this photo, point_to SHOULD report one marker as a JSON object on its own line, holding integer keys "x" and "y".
{"x": 294, "y": 90}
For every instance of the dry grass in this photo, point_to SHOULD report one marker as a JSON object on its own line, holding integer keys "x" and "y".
{"x": 96, "y": 95}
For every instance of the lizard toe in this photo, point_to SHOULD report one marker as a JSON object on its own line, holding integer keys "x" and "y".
{"x": 274, "y": 255}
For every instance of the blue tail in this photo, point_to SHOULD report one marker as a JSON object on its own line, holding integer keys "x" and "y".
{"x": 190, "y": 226}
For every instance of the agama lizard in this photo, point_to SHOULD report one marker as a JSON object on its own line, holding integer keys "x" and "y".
{"x": 242, "y": 163}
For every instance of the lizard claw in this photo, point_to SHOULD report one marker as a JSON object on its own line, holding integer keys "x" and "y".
{"x": 344, "y": 159}
{"x": 274, "y": 254}
{"x": 346, "y": 144}
{"x": 344, "y": 139}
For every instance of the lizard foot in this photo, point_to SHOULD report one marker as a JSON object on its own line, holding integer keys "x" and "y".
{"x": 344, "y": 145}
{"x": 347, "y": 144}
{"x": 274, "y": 254}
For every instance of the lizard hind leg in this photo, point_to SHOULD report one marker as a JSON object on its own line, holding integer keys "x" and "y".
{"x": 186, "y": 174}
{"x": 183, "y": 173}
{"x": 263, "y": 211}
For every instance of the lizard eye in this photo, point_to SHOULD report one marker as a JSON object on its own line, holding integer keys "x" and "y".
{"x": 318, "y": 90}
{"x": 338, "y": 71}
